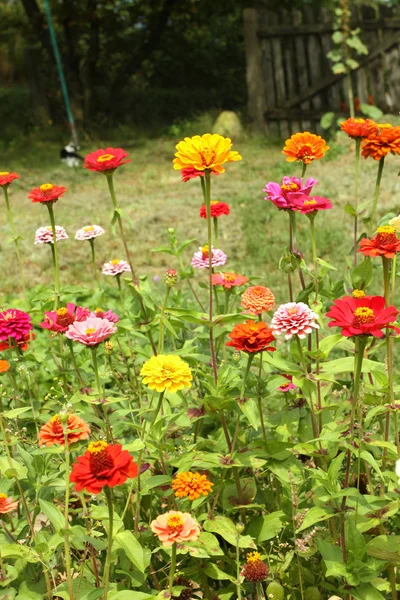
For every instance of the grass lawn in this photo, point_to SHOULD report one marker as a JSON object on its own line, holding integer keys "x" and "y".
{"x": 150, "y": 191}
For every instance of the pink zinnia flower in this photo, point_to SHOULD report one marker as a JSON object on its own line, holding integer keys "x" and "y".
{"x": 90, "y": 332}
{"x": 294, "y": 318}
{"x": 7, "y": 504}
{"x": 14, "y": 324}
{"x": 286, "y": 387}
{"x": 44, "y": 235}
{"x": 116, "y": 267}
{"x": 291, "y": 189}
{"x": 228, "y": 280}
{"x": 7, "y": 178}
{"x": 200, "y": 259}
{"x": 108, "y": 314}
{"x": 175, "y": 527}
{"x": 59, "y": 320}
{"x": 105, "y": 161}
{"x": 312, "y": 204}
{"x": 89, "y": 232}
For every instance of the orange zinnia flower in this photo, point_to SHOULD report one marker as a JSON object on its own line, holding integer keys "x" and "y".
{"x": 251, "y": 337}
{"x": 385, "y": 243}
{"x": 4, "y": 366}
{"x": 7, "y": 504}
{"x": 306, "y": 147}
{"x": 53, "y": 431}
{"x": 359, "y": 128}
{"x": 258, "y": 299}
{"x": 191, "y": 485}
{"x": 378, "y": 145}
{"x": 175, "y": 527}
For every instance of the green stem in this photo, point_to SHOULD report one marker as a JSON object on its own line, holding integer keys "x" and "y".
{"x": 305, "y": 370}
{"x": 356, "y": 178}
{"x": 314, "y": 254}
{"x": 121, "y": 292}
{"x": 215, "y": 220}
{"x": 55, "y": 253}
{"x": 161, "y": 334}
{"x": 15, "y": 237}
{"x": 303, "y": 169}
{"x": 96, "y": 274}
{"x": 100, "y": 393}
{"x": 394, "y": 278}
{"x": 72, "y": 352}
{"x": 67, "y": 548}
{"x": 376, "y": 195}
{"x": 172, "y": 569}
{"x": 259, "y": 400}
{"x": 160, "y": 400}
{"x": 246, "y": 373}
{"x": 106, "y": 576}
{"x": 350, "y": 94}
{"x": 238, "y": 586}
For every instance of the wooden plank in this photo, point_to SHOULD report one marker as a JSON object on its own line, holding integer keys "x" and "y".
{"x": 320, "y": 28}
{"x": 254, "y": 71}
{"x": 392, "y": 61}
{"x": 332, "y": 94}
{"x": 300, "y": 66}
{"x": 279, "y": 75}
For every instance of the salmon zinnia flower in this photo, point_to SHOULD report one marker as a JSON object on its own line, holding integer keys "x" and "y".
{"x": 255, "y": 570}
{"x": 175, "y": 527}
{"x": 102, "y": 465}
{"x": 362, "y": 316}
{"x": 251, "y": 337}
{"x": 46, "y": 193}
{"x": 359, "y": 128}
{"x": 385, "y": 243}
{"x": 191, "y": 485}
{"x": 166, "y": 372}
{"x": 105, "y": 161}
{"x": 217, "y": 209}
{"x": 208, "y": 152}
{"x": 378, "y": 145}
{"x": 7, "y": 504}
{"x": 228, "y": 280}
{"x": 53, "y": 432}
{"x": 7, "y": 178}
{"x": 257, "y": 299}
{"x": 305, "y": 147}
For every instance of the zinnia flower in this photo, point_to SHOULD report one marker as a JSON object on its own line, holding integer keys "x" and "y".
{"x": 89, "y": 232}
{"x": 22, "y": 344}
{"x": 59, "y": 320}
{"x": 217, "y": 209}
{"x": 379, "y": 144}
{"x": 200, "y": 258}
{"x": 359, "y": 128}
{"x": 312, "y": 204}
{"x": 190, "y": 173}
{"x": 175, "y": 527}
{"x": 362, "y": 316}
{"x": 90, "y": 332}
{"x": 191, "y": 485}
{"x": 102, "y": 465}
{"x": 4, "y": 366}
{"x": 385, "y": 243}
{"x": 294, "y": 318}
{"x": 208, "y": 152}
{"x": 116, "y": 267}
{"x": 287, "y": 387}
{"x": 166, "y": 372}
{"x": 291, "y": 189}
{"x": 7, "y": 504}
{"x": 105, "y": 161}
{"x": 7, "y": 178}
{"x": 52, "y": 432}
{"x": 257, "y": 299}
{"x": 46, "y": 193}
{"x": 255, "y": 570}
{"x": 305, "y": 147}
{"x": 44, "y": 235}
{"x": 14, "y": 324}
{"x": 108, "y": 314}
{"x": 228, "y": 280}
{"x": 251, "y": 337}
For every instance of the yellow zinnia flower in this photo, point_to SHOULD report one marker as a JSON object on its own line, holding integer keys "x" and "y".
{"x": 205, "y": 153}
{"x": 166, "y": 372}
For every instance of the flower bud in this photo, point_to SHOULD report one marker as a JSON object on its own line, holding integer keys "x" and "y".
{"x": 108, "y": 346}
{"x": 171, "y": 278}
{"x": 239, "y": 527}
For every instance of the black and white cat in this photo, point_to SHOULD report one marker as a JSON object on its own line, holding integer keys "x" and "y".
{"x": 69, "y": 155}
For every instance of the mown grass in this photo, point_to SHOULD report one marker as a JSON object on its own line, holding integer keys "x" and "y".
{"x": 150, "y": 191}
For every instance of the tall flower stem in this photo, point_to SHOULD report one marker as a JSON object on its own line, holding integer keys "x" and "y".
{"x": 96, "y": 274}
{"x": 135, "y": 281}
{"x": 376, "y": 195}
{"x": 172, "y": 569}
{"x": 67, "y": 548}
{"x": 356, "y": 178}
{"x": 15, "y": 238}
{"x": 73, "y": 357}
{"x": 215, "y": 221}
{"x": 100, "y": 393}
{"x": 159, "y": 405}
{"x": 238, "y": 586}
{"x": 316, "y": 287}
{"x": 304, "y": 365}
{"x": 303, "y": 169}
{"x": 161, "y": 334}
{"x": 55, "y": 253}
{"x": 106, "y": 575}
{"x": 121, "y": 292}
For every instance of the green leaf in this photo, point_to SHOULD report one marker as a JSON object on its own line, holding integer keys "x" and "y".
{"x": 11, "y": 469}
{"x": 346, "y": 365}
{"x": 372, "y": 112}
{"x": 156, "y": 481}
{"x": 327, "y": 120}
{"x": 339, "y": 68}
{"x": 366, "y": 592}
{"x": 216, "y": 573}
{"x": 227, "y": 529}
{"x": 207, "y": 543}
{"x": 385, "y": 547}
{"x": 17, "y": 551}
{"x": 128, "y": 595}
{"x": 266, "y": 527}
{"x": 139, "y": 556}
{"x": 361, "y": 276}
{"x": 53, "y": 514}
{"x": 328, "y": 343}
{"x": 357, "y": 45}
{"x": 315, "y": 515}
{"x": 250, "y": 411}
{"x": 9, "y": 574}
{"x": 356, "y": 545}
{"x": 337, "y": 37}
{"x": 326, "y": 264}
{"x": 15, "y": 412}
{"x": 349, "y": 208}
{"x": 24, "y": 593}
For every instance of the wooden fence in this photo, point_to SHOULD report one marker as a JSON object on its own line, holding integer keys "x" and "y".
{"x": 289, "y": 78}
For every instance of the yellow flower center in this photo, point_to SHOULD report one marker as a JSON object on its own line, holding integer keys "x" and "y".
{"x": 90, "y": 228}
{"x": 175, "y": 522}
{"x": 253, "y": 557}
{"x": 310, "y": 202}
{"x": 359, "y": 120}
{"x": 386, "y": 229}
{"x": 363, "y": 314}
{"x": 105, "y": 158}
{"x": 4, "y": 173}
{"x": 292, "y": 310}
{"x": 98, "y": 310}
{"x": 205, "y": 251}
{"x": 90, "y": 330}
{"x": 384, "y": 126}
{"x": 3, "y": 498}
{"x": 9, "y": 315}
{"x": 207, "y": 157}
{"x": 214, "y": 202}
{"x": 97, "y": 447}
{"x": 61, "y": 312}
{"x": 115, "y": 261}
{"x": 55, "y": 419}
{"x": 290, "y": 187}
{"x": 46, "y": 187}
{"x": 358, "y": 294}
{"x": 229, "y": 277}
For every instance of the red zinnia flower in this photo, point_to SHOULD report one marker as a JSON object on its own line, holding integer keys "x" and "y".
{"x": 59, "y": 320}
{"x": 379, "y": 144}
{"x": 385, "y": 243}
{"x": 52, "y": 432}
{"x": 362, "y": 316}
{"x": 7, "y": 178}
{"x": 46, "y": 193}
{"x": 102, "y": 465}
{"x": 309, "y": 205}
{"x": 22, "y": 344}
{"x": 106, "y": 161}
{"x": 228, "y": 280}
{"x": 359, "y": 128}
{"x": 251, "y": 337}
{"x": 191, "y": 173}
{"x": 14, "y": 324}
{"x": 217, "y": 209}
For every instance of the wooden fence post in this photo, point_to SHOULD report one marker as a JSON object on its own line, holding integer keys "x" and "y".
{"x": 254, "y": 73}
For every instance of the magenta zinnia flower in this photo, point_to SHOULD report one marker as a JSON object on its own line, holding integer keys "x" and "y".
{"x": 108, "y": 314}
{"x": 200, "y": 259}
{"x": 291, "y": 189}
{"x": 44, "y": 235}
{"x": 286, "y": 387}
{"x": 59, "y": 320}
{"x": 14, "y": 324}
{"x": 116, "y": 267}
{"x": 90, "y": 332}
{"x": 89, "y": 232}
{"x": 294, "y": 318}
